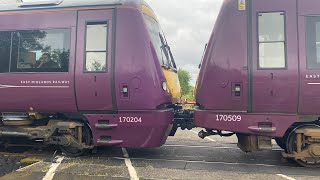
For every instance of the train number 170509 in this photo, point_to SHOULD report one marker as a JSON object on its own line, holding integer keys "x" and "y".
{"x": 229, "y": 118}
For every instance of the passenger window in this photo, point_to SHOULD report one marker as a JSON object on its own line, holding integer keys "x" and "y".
{"x": 271, "y": 40}
{"x": 5, "y": 49}
{"x": 313, "y": 42}
{"x": 35, "y": 50}
{"x": 96, "y": 47}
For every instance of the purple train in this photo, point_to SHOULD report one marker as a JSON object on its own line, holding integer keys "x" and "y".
{"x": 80, "y": 74}
{"x": 260, "y": 77}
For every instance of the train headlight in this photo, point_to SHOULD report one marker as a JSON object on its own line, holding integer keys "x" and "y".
{"x": 164, "y": 86}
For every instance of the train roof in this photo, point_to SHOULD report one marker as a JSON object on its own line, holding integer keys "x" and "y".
{"x": 16, "y": 5}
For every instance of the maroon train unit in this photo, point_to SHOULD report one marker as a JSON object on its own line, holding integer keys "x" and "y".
{"x": 80, "y": 74}
{"x": 260, "y": 77}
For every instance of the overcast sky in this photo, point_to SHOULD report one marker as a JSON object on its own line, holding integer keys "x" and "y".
{"x": 187, "y": 25}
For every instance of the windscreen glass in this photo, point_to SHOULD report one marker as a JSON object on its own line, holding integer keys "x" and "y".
{"x": 159, "y": 42}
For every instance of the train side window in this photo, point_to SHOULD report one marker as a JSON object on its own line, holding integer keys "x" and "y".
{"x": 313, "y": 42}
{"x": 96, "y": 47}
{"x": 35, "y": 50}
{"x": 271, "y": 40}
{"x": 5, "y": 49}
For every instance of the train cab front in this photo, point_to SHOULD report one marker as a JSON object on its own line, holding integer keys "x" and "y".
{"x": 164, "y": 55}
{"x": 146, "y": 85}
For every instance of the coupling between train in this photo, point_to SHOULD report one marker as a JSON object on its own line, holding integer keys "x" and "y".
{"x": 85, "y": 74}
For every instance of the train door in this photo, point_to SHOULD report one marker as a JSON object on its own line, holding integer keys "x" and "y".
{"x": 274, "y": 73}
{"x": 93, "y": 62}
{"x": 309, "y": 43}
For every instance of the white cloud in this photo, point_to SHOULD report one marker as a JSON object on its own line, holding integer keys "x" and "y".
{"x": 187, "y": 26}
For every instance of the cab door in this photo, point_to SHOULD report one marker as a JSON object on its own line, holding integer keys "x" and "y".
{"x": 275, "y": 58}
{"x": 93, "y": 62}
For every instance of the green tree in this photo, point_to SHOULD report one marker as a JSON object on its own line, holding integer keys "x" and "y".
{"x": 186, "y": 88}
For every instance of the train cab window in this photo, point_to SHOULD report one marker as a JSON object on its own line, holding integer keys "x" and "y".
{"x": 159, "y": 43}
{"x": 35, "y": 50}
{"x": 313, "y": 42}
{"x": 271, "y": 40}
{"x": 96, "y": 47}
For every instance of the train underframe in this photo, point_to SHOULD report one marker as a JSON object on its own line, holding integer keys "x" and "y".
{"x": 76, "y": 134}
{"x": 73, "y": 137}
{"x": 299, "y": 140}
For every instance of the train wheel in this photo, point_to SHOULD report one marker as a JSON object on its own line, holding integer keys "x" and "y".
{"x": 313, "y": 162}
{"x": 86, "y": 139}
{"x": 281, "y": 143}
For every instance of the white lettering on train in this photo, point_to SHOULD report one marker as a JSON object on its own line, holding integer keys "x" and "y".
{"x": 45, "y": 82}
{"x": 228, "y": 118}
{"x": 130, "y": 119}
{"x": 313, "y": 76}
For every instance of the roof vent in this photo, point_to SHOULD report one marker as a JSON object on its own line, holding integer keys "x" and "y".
{"x": 25, "y": 3}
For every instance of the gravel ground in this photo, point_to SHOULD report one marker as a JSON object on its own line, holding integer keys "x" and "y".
{"x": 9, "y": 164}
{"x": 14, "y": 158}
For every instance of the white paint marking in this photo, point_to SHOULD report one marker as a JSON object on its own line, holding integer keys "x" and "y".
{"x": 286, "y": 177}
{"x": 53, "y": 168}
{"x": 8, "y": 86}
{"x": 132, "y": 171}
{"x": 314, "y": 83}
{"x": 205, "y": 137}
{"x": 27, "y": 167}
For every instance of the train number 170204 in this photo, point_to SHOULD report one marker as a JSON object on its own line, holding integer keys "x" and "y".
{"x": 229, "y": 118}
{"x": 130, "y": 119}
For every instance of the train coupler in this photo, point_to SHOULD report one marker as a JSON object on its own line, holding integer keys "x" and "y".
{"x": 209, "y": 132}
{"x": 183, "y": 119}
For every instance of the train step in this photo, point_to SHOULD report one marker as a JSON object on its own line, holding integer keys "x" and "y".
{"x": 102, "y": 142}
{"x": 106, "y": 126}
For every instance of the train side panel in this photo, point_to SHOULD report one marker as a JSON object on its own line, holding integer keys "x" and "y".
{"x": 22, "y": 89}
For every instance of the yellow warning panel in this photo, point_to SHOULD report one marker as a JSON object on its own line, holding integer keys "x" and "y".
{"x": 242, "y": 5}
